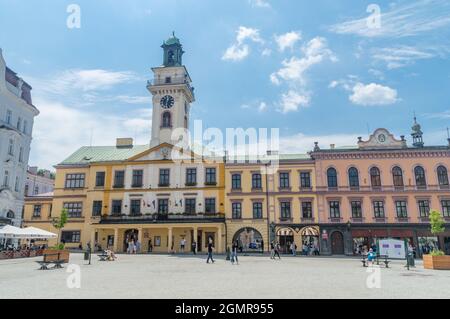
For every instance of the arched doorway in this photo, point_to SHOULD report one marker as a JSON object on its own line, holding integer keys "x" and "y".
{"x": 337, "y": 243}
{"x": 310, "y": 240}
{"x": 249, "y": 239}
{"x": 129, "y": 235}
{"x": 285, "y": 238}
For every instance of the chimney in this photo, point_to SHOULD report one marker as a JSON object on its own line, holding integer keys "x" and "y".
{"x": 124, "y": 142}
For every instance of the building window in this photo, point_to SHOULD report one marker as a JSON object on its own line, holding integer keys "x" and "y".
{"x": 401, "y": 209}
{"x": 284, "y": 180}
{"x": 424, "y": 208}
{"x": 353, "y": 177}
{"x": 135, "y": 207}
{"x": 74, "y": 210}
{"x": 25, "y": 127}
{"x": 116, "y": 207}
{"x": 191, "y": 176}
{"x": 19, "y": 123}
{"x": 138, "y": 176}
{"x": 21, "y": 154}
{"x": 356, "y": 209}
{"x": 166, "y": 120}
{"x": 210, "y": 176}
{"x": 419, "y": 172}
{"x": 163, "y": 206}
{"x": 189, "y": 207}
{"x": 335, "y": 210}
{"x": 100, "y": 179}
{"x": 378, "y": 209}
{"x": 256, "y": 181}
{"x": 164, "y": 177}
{"x": 8, "y": 117}
{"x": 210, "y": 205}
{"x": 26, "y": 190}
{"x": 285, "y": 210}
{"x": 97, "y": 208}
{"x": 375, "y": 177}
{"x": 16, "y": 185}
{"x": 37, "y": 210}
{"x": 305, "y": 180}
{"x": 397, "y": 175}
{"x": 332, "y": 178}
{"x": 75, "y": 180}
{"x": 236, "y": 181}
{"x": 236, "y": 209}
{"x": 70, "y": 237}
{"x": 307, "y": 210}
{"x": 6, "y": 179}
{"x": 442, "y": 176}
{"x": 445, "y": 208}
{"x": 36, "y": 190}
{"x": 11, "y": 147}
{"x": 119, "y": 179}
{"x": 257, "y": 210}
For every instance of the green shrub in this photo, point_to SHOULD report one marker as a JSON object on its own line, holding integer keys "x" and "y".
{"x": 437, "y": 253}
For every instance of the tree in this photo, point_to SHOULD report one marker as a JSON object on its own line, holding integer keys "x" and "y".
{"x": 437, "y": 227}
{"x": 59, "y": 223}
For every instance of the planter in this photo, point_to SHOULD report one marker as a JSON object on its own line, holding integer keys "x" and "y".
{"x": 436, "y": 262}
{"x": 56, "y": 254}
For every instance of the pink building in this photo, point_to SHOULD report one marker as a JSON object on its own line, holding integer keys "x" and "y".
{"x": 382, "y": 188}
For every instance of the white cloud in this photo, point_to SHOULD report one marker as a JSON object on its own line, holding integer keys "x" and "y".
{"x": 240, "y": 49}
{"x": 259, "y": 3}
{"x": 440, "y": 116}
{"x": 288, "y": 40}
{"x": 60, "y": 130}
{"x": 266, "y": 52}
{"x": 315, "y": 52}
{"x": 262, "y": 107}
{"x": 401, "y": 21}
{"x": 373, "y": 94}
{"x": 401, "y": 56}
{"x": 292, "y": 101}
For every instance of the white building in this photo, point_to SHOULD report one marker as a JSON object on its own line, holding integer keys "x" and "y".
{"x": 17, "y": 114}
{"x": 38, "y": 181}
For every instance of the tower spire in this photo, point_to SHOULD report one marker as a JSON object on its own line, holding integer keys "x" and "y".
{"x": 417, "y": 133}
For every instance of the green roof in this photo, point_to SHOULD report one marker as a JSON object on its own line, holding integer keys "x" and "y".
{"x": 92, "y": 154}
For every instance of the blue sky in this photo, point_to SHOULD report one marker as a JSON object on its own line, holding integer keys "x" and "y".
{"x": 314, "y": 69}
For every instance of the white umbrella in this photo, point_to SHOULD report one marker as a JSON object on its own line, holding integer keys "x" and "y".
{"x": 9, "y": 231}
{"x": 33, "y": 232}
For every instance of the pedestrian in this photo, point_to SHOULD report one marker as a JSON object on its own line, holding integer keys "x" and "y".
{"x": 138, "y": 246}
{"x": 194, "y": 248}
{"x": 150, "y": 246}
{"x": 371, "y": 257}
{"x": 234, "y": 250}
{"x": 262, "y": 246}
{"x": 210, "y": 251}
{"x": 272, "y": 250}
{"x": 182, "y": 245}
{"x": 277, "y": 251}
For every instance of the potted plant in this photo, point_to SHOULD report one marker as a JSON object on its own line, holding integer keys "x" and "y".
{"x": 58, "y": 251}
{"x": 437, "y": 258}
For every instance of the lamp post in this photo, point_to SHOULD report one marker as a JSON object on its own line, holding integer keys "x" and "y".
{"x": 272, "y": 231}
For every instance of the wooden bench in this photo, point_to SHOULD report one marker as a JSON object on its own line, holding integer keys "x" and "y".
{"x": 43, "y": 264}
{"x": 49, "y": 259}
{"x": 385, "y": 260}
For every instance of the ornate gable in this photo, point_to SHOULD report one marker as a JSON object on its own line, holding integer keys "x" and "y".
{"x": 382, "y": 139}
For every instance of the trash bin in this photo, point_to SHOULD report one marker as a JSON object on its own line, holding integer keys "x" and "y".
{"x": 86, "y": 255}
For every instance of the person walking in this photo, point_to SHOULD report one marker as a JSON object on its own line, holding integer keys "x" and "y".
{"x": 272, "y": 250}
{"x": 182, "y": 245}
{"x": 210, "y": 251}
{"x": 293, "y": 249}
{"x": 234, "y": 250}
{"x": 138, "y": 246}
{"x": 194, "y": 248}
{"x": 277, "y": 251}
{"x": 150, "y": 246}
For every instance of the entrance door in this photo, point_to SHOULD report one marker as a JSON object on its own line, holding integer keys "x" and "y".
{"x": 285, "y": 242}
{"x": 199, "y": 240}
{"x": 337, "y": 243}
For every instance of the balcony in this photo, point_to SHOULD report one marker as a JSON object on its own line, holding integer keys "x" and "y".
{"x": 180, "y": 80}
{"x": 162, "y": 218}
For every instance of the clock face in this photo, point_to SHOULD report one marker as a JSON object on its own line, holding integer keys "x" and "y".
{"x": 167, "y": 102}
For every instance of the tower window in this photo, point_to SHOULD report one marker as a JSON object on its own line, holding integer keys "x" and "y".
{"x": 166, "y": 120}
{"x": 168, "y": 80}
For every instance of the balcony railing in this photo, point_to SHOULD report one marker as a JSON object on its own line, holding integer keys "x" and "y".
{"x": 171, "y": 81}
{"x": 155, "y": 218}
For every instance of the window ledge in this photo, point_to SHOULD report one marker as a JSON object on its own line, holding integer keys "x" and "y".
{"x": 308, "y": 219}
{"x": 336, "y": 220}
{"x": 357, "y": 219}
{"x": 380, "y": 219}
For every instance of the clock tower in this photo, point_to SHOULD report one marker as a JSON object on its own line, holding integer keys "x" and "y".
{"x": 172, "y": 94}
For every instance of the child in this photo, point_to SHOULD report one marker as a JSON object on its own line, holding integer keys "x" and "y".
{"x": 371, "y": 257}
